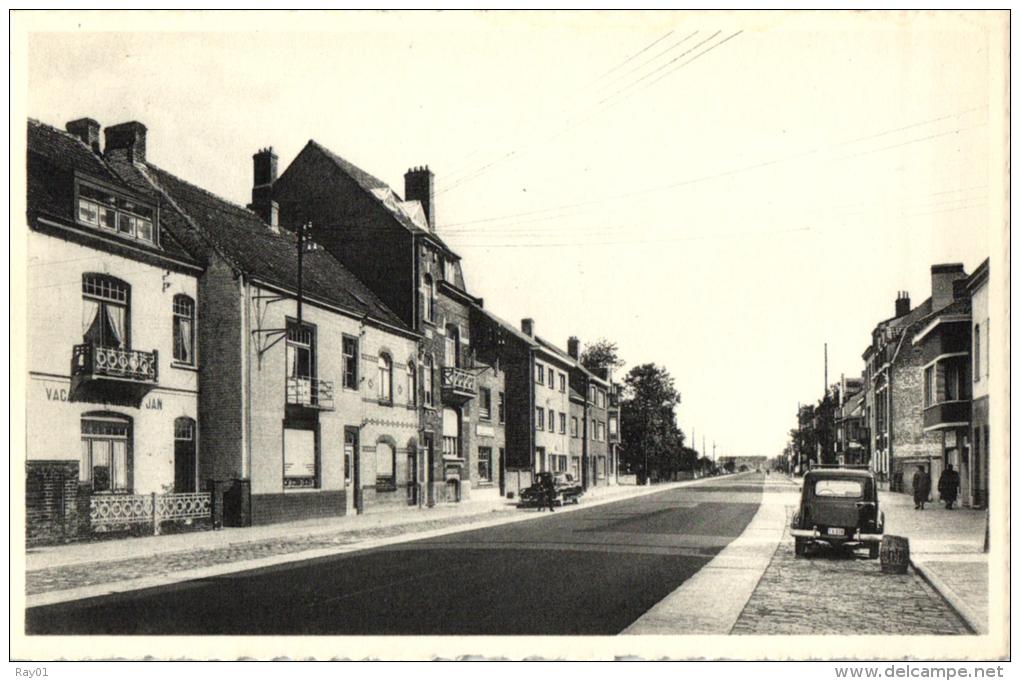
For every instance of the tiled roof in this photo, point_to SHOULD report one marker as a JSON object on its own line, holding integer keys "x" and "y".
{"x": 507, "y": 326}
{"x": 53, "y": 158}
{"x": 243, "y": 239}
{"x": 562, "y": 355}
{"x": 381, "y": 192}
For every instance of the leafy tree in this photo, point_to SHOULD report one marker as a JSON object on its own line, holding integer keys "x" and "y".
{"x": 602, "y": 354}
{"x": 730, "y": 465}
{"x": 652, "y": 440}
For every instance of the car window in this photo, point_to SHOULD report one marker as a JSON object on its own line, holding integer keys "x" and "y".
{"x": 845, "y": 489}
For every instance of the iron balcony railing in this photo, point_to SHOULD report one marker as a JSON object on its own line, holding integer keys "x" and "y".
{"x": 90, "y": 360}
{"x": 313, "y": 393}
{"x": 458, "y": 381}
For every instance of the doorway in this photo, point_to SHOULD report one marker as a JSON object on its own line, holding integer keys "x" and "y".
{"x": 352, "y": 462}
{"x": 185, "y": 459}
{"x": 428, "y": 441}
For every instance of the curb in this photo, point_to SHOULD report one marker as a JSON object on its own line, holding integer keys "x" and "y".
{"x": 111, "y": 588}
{"x": 970, "y": 618}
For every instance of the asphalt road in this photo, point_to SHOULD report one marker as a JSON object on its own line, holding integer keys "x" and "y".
{"x": 589, "y": 572}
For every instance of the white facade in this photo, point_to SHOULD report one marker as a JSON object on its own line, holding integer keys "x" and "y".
{"x": 59, "y": 319}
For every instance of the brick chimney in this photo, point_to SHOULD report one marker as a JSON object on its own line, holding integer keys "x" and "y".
{"x": 85, "y": 129}
{"x": 942, "y": 278}
{"x": 528, "y": 327}
{"x": 264, "y": 166}
{"x": 418, "y": 186}
{"x": 574, "y": 347}
{"x": 128, "y": 138}
{"x": 902, "y": 303}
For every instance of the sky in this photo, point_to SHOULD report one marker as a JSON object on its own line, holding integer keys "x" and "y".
{"x": 719, "y": 193}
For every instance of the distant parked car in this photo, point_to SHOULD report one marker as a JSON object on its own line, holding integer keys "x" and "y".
{"x": 838, "y": 506}
{"x": 567, "y": 490}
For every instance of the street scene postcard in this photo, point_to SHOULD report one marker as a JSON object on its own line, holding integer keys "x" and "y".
{"x": 565, "y": 335}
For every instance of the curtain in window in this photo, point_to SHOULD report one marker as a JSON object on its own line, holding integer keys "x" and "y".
{"x": 385, "y": 377}
{"x": 90, "y": 321}
{"x": 384, "y": 462}
{"x": 184, "y": 339}
{"x": 115, "y": 319}
{"x": 101, "y": 465}
{"x": 120, "y": 467}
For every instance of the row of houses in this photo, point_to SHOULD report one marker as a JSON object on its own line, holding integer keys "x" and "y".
{"x": 315, "y": 353}
{"x": 923, "y": 397}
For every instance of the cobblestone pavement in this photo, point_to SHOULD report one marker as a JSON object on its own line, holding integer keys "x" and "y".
{"x": 89, "y": 574}
{"x": 831, "y": 592}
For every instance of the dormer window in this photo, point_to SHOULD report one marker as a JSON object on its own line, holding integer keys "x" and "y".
{"x": 104, "y": 210}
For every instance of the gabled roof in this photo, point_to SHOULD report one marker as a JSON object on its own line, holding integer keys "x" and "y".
{"x": 407, "y": 213}
{"x": 507, "y": 327}
{"x": 565, "y": 357}
{"x": 215, "y": 226}
{"x": 55, "y": 156}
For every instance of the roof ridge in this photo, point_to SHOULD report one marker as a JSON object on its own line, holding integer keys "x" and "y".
{"x": 209, "y": 193}
{"x": 73, "y": 138}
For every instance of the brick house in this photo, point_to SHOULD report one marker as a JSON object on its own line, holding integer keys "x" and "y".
{"x": 944, "y": 340}
{"x": 391, "y": 244}
{"x": 980, "y": 371}
{"x": 850, "y": 431}
{"x": 894, "y": 396}
{"x": 310, "y": 383}
{"x": 112, "y": 403}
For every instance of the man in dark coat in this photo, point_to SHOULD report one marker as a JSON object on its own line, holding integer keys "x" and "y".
{"x": 922, "y": 487}
{"x": 949, "y": 486}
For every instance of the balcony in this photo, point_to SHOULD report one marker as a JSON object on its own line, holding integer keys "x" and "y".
{"x": 947, "y": 415}
{"x": 310, "y": 393}
{"x": 112, "y": 375}
{"x": 458, "y": 384}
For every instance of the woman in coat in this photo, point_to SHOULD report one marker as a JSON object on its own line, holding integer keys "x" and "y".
{"x": 949, "y": 486}
{"x": 922, "y": 487}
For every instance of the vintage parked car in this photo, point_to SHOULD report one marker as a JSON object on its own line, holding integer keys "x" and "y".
{"x": 567, "y": 490}
{"x": 838, "y": 506}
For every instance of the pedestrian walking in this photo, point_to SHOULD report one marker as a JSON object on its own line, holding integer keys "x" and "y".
{"x": 922, "y": 488}
{"x": 949, "y": 486}
{"x": 548, "y": 486}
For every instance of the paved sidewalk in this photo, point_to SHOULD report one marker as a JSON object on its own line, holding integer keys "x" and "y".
{"x": 72, "y": 571}
{"x": 947, "y": 549}
{"x": 711, "y": 601}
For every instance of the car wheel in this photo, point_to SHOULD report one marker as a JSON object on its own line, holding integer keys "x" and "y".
{"x": 799, "y": 546}
{"x": 873, "y": 550}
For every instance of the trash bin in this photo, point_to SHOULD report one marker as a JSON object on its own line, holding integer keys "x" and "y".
{"x": 895, "y": 554}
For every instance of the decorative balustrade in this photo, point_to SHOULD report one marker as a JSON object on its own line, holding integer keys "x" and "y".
{"x": 115, "y": 511}
{"x": 310, "y": 392}
{"x": 93, "y": 361}
{"x": 458, "y": 381}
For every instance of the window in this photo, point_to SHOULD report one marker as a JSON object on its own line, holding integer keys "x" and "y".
{"x": 426, "y": 381}
{"x": 559, "y": 462}
{"x": 430, "y": 299}
{"x": 184, "y": 329}
{"x": 573, "y": 426}
{"x": 485, "y": 464}
{"x": 563, "y": 383}
{"x": 591, "y": 394}
{"x": 412, "y": 384}
{"x": 539, "y": 373}
{"x": 601, "y": 431}
{"x": 954, "y": 381}
{"x": 552, "y": 378}
{"x": 105, "y": 453}
{"x": 539, "y": 418}
{"x": 600, "y": 398}
{"x": 452, "y": 346}
{"x": 385, "y": 379}
{"x": 563, "y": 423}
{"x": 299, "y": 458}
{"x": 102, "y": 210}
{"x": 929, "y": 386}
{"x": 977, "y": 353}
{"x": 552, "y": 421}
{"x": 105, "y": 318}
{"x": 350, "y": 352}
{"x": 451, "y": 447}
{"x": 300, "y": 350}
{"x": 449, "y": 270}
{"x": 846, "y": 489}
{"x": 484, "y": 403}
{"x": 612, "y": 424}
{"x": 502, "y": 408}
{"x": 385, "y": 464}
